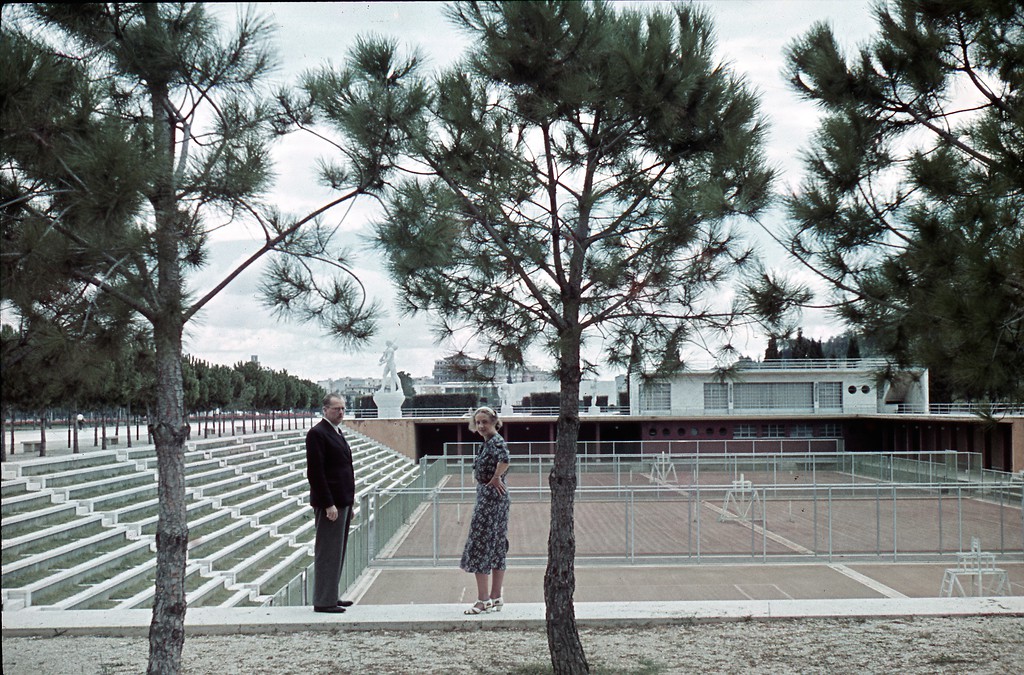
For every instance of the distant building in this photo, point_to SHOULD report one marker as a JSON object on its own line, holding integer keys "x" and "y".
{"x": 462, "y": 368}
{"x": 783, "y": 387}
{"x": 351, "y": 387}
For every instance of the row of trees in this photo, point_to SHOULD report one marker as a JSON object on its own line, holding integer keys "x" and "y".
{"x": 246, "y": 386}
{"x": 802, "y": 348}
{"x": 47, "y": 371}
{"x": 584, "y": 171}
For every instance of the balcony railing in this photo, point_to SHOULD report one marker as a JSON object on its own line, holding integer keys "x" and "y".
{"x": 997, "y": 410}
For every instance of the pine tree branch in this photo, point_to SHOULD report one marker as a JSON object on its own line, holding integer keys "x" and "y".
{"x": 513, "y": 259}
{"x": 968, "y": 68}
{"x": 270, "y": 244}
{"x": 896, "y": 105}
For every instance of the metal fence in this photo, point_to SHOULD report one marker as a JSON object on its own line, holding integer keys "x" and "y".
{"x": 377, "y": 519}
{"x": 700, "y": 509}
{"x": 675, "y": 448}
{"x": 772, "y": 508}
{"x": 651, "y": 524}
{"x": 898, "y": 467}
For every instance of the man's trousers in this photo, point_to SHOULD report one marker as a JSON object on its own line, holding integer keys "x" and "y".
{"x": 329, "y": 555}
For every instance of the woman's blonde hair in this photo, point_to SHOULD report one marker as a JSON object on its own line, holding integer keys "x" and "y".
{"x": 487, "y": 411}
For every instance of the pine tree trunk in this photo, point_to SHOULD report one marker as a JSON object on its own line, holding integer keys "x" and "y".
{"x": 42, "y": 434}
{"x": 564, "y": 644}
{"x": 167, "y": 629}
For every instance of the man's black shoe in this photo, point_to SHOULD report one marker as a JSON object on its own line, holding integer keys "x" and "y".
{"x": 344, "y": 603}
{"x": 329, "y": 610}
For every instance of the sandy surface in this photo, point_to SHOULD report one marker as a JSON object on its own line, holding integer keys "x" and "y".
{"x": 910, "y": 645}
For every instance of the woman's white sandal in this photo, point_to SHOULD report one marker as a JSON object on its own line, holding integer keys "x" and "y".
{"x": 497, "y": 604}
{"x": 480, "y": 607}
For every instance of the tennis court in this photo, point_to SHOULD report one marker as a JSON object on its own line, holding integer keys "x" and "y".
{"x": 765, "y": 509}
{"x": 721, "y": 528}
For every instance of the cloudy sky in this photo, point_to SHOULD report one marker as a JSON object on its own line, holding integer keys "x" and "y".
{"x": 234, "y": 327}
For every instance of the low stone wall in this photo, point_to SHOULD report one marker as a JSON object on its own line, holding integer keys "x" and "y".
{"x": 397, "y": 434}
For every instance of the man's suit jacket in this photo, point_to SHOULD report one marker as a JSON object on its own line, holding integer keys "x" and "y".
{"x": 332, "y": 481}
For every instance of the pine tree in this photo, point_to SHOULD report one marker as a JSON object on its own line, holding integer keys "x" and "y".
{"x": 574, "y": 176}
{"x": 162, "y": 129}
{"x": 911, "y": 206}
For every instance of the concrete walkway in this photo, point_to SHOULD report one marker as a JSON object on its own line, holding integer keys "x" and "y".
{"x": 259, "y": 620}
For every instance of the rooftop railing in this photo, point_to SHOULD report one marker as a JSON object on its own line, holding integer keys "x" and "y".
{"x": 814, "y": 364}
{"x": 997, "y": 410}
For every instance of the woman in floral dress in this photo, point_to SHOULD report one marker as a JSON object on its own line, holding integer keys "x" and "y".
{"x": 487, "y": 543}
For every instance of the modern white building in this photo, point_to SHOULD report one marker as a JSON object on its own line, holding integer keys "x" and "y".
{"x": 784, "y": 387}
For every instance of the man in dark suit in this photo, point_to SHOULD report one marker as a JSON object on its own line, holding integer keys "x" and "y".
{"x": 332, "y": 489}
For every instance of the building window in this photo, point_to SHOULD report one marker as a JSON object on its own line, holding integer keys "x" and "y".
{"x": 773, "y": 396}
{"x": 801, "y": 431}
{"x": 745, "y": 431}
{"x": 831, "y": 431}
{"x": 830, "y": 395}
{"x": 716, "y": 396}
{"x": 774, "y": 431}
{"x": 655, "y": 396}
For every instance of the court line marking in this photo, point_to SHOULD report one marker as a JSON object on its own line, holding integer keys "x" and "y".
{"x": 873, "y": 584}
{"x": 777, "y": 538}
{"x": 750, "y": 597}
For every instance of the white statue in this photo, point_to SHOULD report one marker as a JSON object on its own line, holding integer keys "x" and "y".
{"x": 505, "y": 395}
{"x": 389, "y": 380}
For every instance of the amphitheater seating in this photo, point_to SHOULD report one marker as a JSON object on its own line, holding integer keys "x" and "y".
{"x": 79, "y": 532}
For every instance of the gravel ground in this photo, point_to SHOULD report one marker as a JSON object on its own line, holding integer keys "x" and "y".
{"x": 909, "y": 645}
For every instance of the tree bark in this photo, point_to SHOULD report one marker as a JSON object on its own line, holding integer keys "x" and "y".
{"x": 167, "y": 629}
{"x": 564, "y": 644}
{"x": 42, "y": 434}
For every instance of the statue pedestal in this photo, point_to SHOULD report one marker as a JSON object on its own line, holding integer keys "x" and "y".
{"x": 506, "y": 409}
{"x": 389, "y": 404}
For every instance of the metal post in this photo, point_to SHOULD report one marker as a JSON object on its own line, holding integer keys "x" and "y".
{"x": 437, "y": 526}
{"x": 764, "y": 526}
{"x": 364, "y": 509}
{"x": 959, "y": 518}
{"x": 1002, "y": 540}
{"x": 698, "y": 522}
{"x": 878, "y": 521}
{"x": 689, "y": 523}
{"x": 630, "y": 525}
{"x": 815, "y": 515}
{"x": 753, "y": 520}
{"x": 894, "y": 531}
{"x": 830, "y": 524}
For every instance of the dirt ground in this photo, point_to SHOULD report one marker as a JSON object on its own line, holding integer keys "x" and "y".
{"x": 907, "y": 645}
